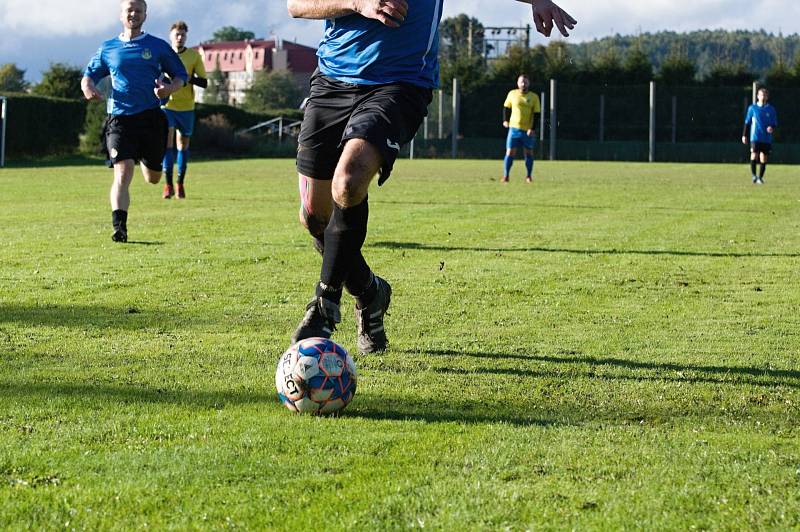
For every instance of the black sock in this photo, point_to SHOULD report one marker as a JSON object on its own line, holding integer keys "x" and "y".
{"x": 368, "y": 295}
{"x": 168, "y": 178}
{"x": 753, "y": 166}
{"x": 763, "y": 170}
{"x": 344, "y": 237}
{"x": 120, "y": 219}
{"x": 181, "y": 178}
{"x": 331, "y": 293}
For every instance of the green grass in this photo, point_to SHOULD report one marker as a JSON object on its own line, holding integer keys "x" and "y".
{"x": 613, "y": 347}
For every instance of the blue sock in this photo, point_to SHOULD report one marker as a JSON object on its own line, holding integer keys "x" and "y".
{"x": 167, "y": 163}
{"x": 183, "y": 162}
{"x": 529, "y": 164}
{"x": 508, "y": 161}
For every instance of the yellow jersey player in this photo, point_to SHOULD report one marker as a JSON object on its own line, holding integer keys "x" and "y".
{"x": 180, "y": 111}
{"x": 519, "y": 116}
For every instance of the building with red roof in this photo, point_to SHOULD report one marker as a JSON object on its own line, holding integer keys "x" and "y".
{"x": 240, "y": 60}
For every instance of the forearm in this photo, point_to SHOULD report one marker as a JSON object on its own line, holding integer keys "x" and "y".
{"x": 320, "y": 9}
{"x": 746, "y": 129}
{"x": 175, "y": 85}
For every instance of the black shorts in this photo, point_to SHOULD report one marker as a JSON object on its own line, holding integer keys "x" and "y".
{"x": 386, "y": 116}
{"x": 141, "y": 137}
{"x": 761, "y": 147}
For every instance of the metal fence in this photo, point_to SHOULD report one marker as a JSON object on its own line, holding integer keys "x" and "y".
{"x": 627, "y": 123}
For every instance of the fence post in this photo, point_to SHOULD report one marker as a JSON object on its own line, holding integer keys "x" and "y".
{"x": 755, "y": 91}
{"x": 3, "y": 115}
{"x": 411, "y": 149}
{"x": 280, "y": 130}
{"x": 456, "y": 117}
{"x": 542, "y": 100}
{"x": 441, "y": 114}
{"x": 652, "y": 157}
{"x": 553, "y": 119}
{"x": 602, "y": 118}
{"x": 425, "y": 128}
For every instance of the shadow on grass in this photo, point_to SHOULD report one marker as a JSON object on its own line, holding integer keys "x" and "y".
{"x": 665, "y": 372}
{"x": 366, "y": 406}
{"x": 145, "y": 242}
{"x": 55, "y": 161}
{"x": 125, "y": 317}
{"x": 677, "y": 253}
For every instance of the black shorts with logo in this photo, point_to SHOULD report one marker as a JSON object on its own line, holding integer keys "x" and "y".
{"x": 761, "y": 147}
{"x": 386, "y": 116}
{"x": 141, "y": 137}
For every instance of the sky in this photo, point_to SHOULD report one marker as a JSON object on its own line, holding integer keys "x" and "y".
{"x": 70, "y": 31}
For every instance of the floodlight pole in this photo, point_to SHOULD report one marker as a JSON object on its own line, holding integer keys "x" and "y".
{"x": 553, "y": 119}
{"x": 652, "y": 157}
{"x": 3, "y": 115}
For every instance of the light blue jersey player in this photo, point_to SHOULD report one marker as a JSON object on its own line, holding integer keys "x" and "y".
{"x": 759, "y": 126}
{"x": 136, "y": 128}
{"x": 377, "y": 68}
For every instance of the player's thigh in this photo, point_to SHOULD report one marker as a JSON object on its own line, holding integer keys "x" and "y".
{"x": 123, "y": 171}
{"x": 386, "y": 117}
{"x": 327, "y": 112}
{"x": 153, "y": 129}
{"x": 150, "y": 176}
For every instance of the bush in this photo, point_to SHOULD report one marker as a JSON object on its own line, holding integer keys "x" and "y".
{"x": 216, "y": 134}
{"x": 40, "y": 125}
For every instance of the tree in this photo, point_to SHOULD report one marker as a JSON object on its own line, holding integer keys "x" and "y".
{"x": 677, "y": 69}
{"x": 781, "y": 76}
{"x": 217, "y": 90}
{"x": 61, "y": 81}
{"x": 456, "y": 34}
{"x": 232, "y": 33}
{"x": 272, "y": 90}
{"x": 729, "y": 74}
{"x": 637, "y": 67}
{"x": 12, "y": 79}
{"x": 607, "y": 68}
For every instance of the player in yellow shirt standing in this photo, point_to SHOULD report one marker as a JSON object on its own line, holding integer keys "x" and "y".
{"x": 519, "y": 116}
{"x": 180, "y": 111}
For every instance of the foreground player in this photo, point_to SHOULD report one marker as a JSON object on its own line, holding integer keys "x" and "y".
{"x": 761, "y": 121}
{"x": 136, "y": 129}
{"x": 377, "y": 68}
{"x": 519, "y": 116}
{"x": 180, "y": 111}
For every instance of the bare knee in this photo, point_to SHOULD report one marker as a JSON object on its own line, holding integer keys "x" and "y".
{"x": 511, "y": 152}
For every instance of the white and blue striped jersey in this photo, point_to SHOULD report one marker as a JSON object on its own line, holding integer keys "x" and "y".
{"x": 363, "y": 51}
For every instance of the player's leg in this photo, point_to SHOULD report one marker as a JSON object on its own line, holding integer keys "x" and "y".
{"x": 754, "y": 162}
{"x": 511, "y": 152}
{"x": 528, "y": 165}
{"x": 153, "y": 128}
{"x": 169, "y": 161}
{"x": 763, "y": 169}
{"x": 185, "y": 130}
{"x": 120, "y": 198}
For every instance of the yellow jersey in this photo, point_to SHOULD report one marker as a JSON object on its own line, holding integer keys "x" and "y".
{"x": 523, "y": 106}
{"x": 183, "y": 100}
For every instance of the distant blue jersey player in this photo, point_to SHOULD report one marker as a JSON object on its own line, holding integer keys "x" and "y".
{"x": 136, "y": 128}
{"x": 377, "y": 68}
{"x": 759, "y": 125}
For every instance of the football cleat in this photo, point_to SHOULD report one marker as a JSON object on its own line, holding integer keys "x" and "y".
{"x": 369, "y": 320}
{"x": 168, "y": 192}
{"x": 759, "y": 181}
{"x": 529, "y": 179}
{"x": 504, "y": 179}
{"x": 181, "y": 192}
{"x": 320, "y": 320}
{"x": 120, "y": 235}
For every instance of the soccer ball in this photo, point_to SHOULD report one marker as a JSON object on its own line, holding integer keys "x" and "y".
{"x": 316, "y": 376}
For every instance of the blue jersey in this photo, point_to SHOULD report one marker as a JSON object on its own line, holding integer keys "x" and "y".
{"x": 760, "y": 118}
{"x": 134, "y": 67}
{"x": 359, "y": 50}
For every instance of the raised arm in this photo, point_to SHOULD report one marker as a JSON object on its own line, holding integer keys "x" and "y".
{"x": 391, "y": 13}
{"x": 546, "y": 14}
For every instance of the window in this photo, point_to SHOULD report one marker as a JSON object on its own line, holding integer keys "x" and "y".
{"x": 256, "y": 55}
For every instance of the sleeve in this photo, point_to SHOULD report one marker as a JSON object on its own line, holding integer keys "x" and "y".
{"x": 97, "y": 69}
{"x": 506, "y": 114}
{"x": 172, "y": 65}
{"x": 508, "y": 101}
{"x": 200, "y": 68}
{"x": 747, "y": 120}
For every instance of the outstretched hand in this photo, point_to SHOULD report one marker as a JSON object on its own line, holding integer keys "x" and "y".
{"x": 547, "y": 14}
{"x": 390, "y": 13}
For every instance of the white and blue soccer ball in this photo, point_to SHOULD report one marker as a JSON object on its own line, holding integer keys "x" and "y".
{"x": 316, "y": 376}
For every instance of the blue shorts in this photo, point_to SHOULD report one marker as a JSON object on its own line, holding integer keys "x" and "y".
{"x": 518, "y": 138}
{"x": 183, "y": 121}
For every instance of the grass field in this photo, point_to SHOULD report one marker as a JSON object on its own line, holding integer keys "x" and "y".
{"x": 616, "y": 346}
